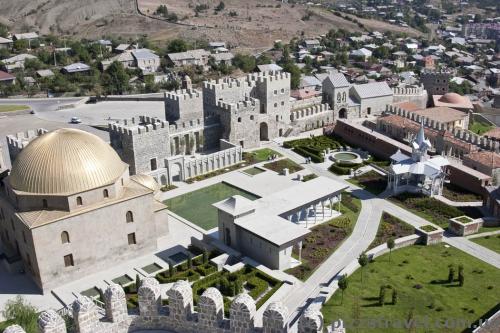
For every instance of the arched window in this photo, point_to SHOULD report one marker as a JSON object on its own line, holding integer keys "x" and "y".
{"x": 105, "y": 193}
{"x": 344, "y": 97}
{"x": 129, "y": 217}
{"x": 44, "y": 203}
{"x": 239, "y": 119}
{"x": 251, "y": 117}
{"x": 339, "y": 98}
{"x": 79, "y": 201}
{"x": 64, "y": 237}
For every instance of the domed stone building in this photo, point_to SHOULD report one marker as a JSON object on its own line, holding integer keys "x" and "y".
{"x": 453, "y": 100}
{"x": 69, "y": 208}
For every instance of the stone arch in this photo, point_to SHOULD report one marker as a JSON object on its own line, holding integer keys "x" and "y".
{"x": 176, "y": 172}
{"x": 242, "y": 312}
{"x": 275, "y": 318}
{"x": 264, "y": 131}
{"x": 343, "y": 113}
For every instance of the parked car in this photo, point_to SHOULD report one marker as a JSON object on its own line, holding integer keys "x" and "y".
{"x": 75, "y": 120}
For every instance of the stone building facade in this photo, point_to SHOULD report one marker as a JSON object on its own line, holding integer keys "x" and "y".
{"x": 435, "y": 82}
{"x": 178, "y": 316}
{"x": 69, "y": 208}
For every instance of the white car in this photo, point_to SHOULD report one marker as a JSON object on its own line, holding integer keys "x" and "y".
{"x": 75, "y": 120}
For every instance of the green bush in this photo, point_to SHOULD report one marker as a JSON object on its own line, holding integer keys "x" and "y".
{"x": 339, "y": 170}
{"x": 257, "y": 286}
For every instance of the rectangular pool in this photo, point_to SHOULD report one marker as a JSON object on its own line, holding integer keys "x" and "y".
{"x": 197, "y": 208}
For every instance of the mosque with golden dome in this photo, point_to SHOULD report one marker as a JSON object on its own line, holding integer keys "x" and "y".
{"x": 70, "y": 208}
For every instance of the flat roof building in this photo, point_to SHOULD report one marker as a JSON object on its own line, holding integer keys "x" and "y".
{"x": 268, "y": 228}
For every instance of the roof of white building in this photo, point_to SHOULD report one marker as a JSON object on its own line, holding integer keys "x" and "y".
{"x": 373, "y": 89}
{"x": 262, "y": 216}
{"x": 338, "y": 80}
{"x": 144, "y": 54}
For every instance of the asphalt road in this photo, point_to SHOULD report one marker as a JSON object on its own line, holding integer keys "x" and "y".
{"x": 41, "y": 104}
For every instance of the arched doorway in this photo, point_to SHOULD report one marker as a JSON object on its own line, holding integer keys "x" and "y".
{"x": 264, "y": 135}
{"x": 175, "y": 172}
{"x": 343, "y": 113}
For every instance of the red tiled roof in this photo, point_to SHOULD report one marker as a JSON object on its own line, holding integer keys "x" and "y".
{"x": 4, "y": 76}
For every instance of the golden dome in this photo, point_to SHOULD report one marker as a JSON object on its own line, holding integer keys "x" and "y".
{"x": 146, "y": 181}
{"x": 65, "y": 161}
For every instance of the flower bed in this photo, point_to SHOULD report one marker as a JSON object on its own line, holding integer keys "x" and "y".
{"x": 391, "y": 227}
{"x": 455, "y": 193}
{"x": 428, "y": 208}
{"x": 279, "y": 165}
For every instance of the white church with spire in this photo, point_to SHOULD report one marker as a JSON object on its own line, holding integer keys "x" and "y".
{"x": 419, "y": 173}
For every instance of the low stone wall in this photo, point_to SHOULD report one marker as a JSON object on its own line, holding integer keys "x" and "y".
{"x": 178, "y": 316}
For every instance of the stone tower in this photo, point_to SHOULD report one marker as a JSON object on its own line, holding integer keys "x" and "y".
{"x": 435, "y": 82}
{"x": 183, "y": 105}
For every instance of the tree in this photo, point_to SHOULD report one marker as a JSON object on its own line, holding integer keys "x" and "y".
{"x": 381, "y": 296}
{"x": 115, "y": 79}
{"x": 137, "y": 282}
{"x": 394, "y": 296}
{"x": 220, "y": 6}
{"x": 21, "y": 313}
{"x": 295, "y": 73}
{"x": 390, "y": 245}
{"x": 171, "y": 269}
{"x": 451, "y": 274}
{"x": 343, "y": 286}
{"x": 244, "y": 62}
{"x": 177, "y": 45}
{"x": 4, "y": 30}
{"x": 205, "y": 256}
{"x": 461, "y": 277}
{"x": 363, "y": 260}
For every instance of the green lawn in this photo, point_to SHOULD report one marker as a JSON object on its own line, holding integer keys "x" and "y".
{"x": 260, "y": 155}
{"x": 197, "y": 208}
{"x": 253, "y": 171}
{"x": 12, "y": 108}
{"x": 480, "y": 127}
{"x": 419, "y": 274}
{"x": 491, "y": 242}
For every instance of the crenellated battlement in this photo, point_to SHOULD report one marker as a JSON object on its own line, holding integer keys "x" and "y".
{"x": 460, "y": 134}
{"x": 21, "y": 139}
{"x": 268, "y": 76}
{"x": 226, "y": 83}
{"x": 250, "y": 80}
{"x": 409, "y": 90}
{"x": 309, "y": 111}
{"x": 138, "y": 126}
{"x": 182, "y": 94}
{"x": 235, "y": 107}
{"x": 178, "y": 316}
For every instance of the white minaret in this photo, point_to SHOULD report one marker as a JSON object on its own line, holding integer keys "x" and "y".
{"x": 420, "y": 145}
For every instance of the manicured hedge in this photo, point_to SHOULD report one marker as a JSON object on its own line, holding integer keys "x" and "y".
{"x": 339, "y": 170}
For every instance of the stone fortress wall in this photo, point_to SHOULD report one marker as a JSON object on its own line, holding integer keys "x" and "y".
{"x": 463, "y": 135}
{"x": 414, "y": 94}
{"x": 18, "y": 141}
{"x": 178, "y": 316}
